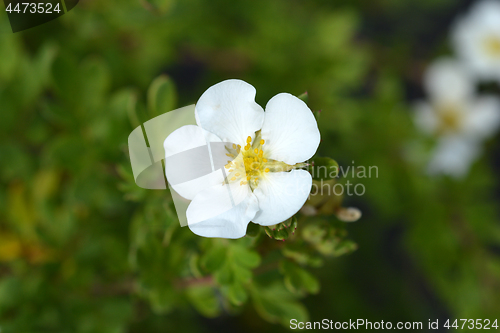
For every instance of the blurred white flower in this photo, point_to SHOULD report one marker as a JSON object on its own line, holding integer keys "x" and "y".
{"x": 476, "y": 39}
{"x": 262, "y": 182}
{"x": 456, "y": 116}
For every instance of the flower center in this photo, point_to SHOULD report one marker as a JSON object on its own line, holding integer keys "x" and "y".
{"x": 250, "y": 164}
{"x": 451, "y": 118}
{"x": 492, "y": 45}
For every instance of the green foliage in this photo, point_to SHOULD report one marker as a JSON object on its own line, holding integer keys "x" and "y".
{"x": 277, "y": 305}
{"x": 297, "y": 279}
{"x": 162, "y": 97}
{"x": 324, "y": 168}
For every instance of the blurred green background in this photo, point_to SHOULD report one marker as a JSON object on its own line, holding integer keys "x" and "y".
{"x": 83, "y": 249}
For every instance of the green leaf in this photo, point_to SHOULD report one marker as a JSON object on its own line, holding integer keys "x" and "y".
{"x": 204, "y": 300}
{"x": 9, "y": 53}
{"x": 293, "y": 224}
{"x": 225, "y": 275}
{"x": 253, "y": 229}
{"x": 162, "y": 299}
{"x": 237, "y": 294}
{"x": 194, "y": 267}
{"x": 245, "y": 257}
{"x": 281, "y": 234}
{"x": 324, "y": 168}
{"x": 314, "y": 233}
{"x": 66, "y": 81}
{"x": 162, "y": 96}
{"x": 276, "y": 304}
{"x": 304, "y": 97}
{"x": 345, "y": 247}
{"x": 297, "y": 279}
{"x": 214, "y": 259}
{"x": 242, "y": 274}
{"x": 96, "y": 82}
{"x": 44, "y": 60}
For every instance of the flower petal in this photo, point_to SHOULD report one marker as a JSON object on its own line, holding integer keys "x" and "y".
{"x": 222, "y": 211}
{"x": 470, "y": 35}
{"x": 216, "y": 200}
{"x": 228, "y": 109}
{"x": 188, "y": 166}
{"x": 281, "y": 195}
{"x": 447, "y": 81}
{"x": 484, "y": 118}
{"x": 231, "y": 224}
{"x": 453, "y": 156}
{"x": 290, "y": 130}
{"x": 425, "y": 117}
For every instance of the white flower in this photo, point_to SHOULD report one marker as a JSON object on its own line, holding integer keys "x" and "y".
{"x": 456, "y": 115}
{"x": 476, "y": 39}
{"x": 250, "y": 171}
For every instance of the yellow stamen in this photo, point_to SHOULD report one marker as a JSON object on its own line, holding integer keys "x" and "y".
{"x": 251, "y": 166}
